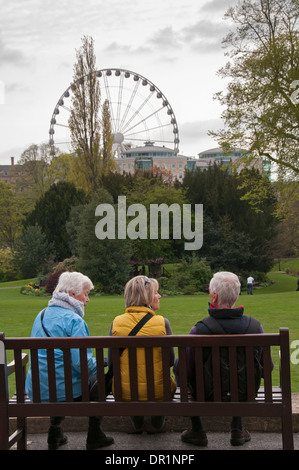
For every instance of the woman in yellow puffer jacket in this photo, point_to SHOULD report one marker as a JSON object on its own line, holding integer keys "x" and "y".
{"x": 142, "y": 297}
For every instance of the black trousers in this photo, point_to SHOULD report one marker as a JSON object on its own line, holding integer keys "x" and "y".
{"x": 235, "y": 425}
{"x": 93, "y": 395}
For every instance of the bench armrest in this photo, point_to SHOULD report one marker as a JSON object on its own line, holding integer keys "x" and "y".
{"x": 11, "y": 367}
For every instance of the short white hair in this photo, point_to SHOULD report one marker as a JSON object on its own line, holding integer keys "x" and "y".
{"x": 73, "y": 282}
{"x": 227, "y": 286}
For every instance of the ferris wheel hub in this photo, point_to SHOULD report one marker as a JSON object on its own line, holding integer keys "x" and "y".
{"x": 118, "y": 138}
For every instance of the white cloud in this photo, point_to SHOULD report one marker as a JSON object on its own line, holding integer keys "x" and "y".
{"x": 166, "y": 37}
{"x": 9, "y": 56}
{"x": 216, "y": 6}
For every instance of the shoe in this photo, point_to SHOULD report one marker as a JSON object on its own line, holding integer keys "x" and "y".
{"x": 102, "y": 441}
{"x": 238, "y": 438}
{"x": 96, "y": 438}
{"x": 137, "y": 422}
{"x": 196, "y": 438}
{"x": 56, "y": 438}
{"x": 158, "y": 422}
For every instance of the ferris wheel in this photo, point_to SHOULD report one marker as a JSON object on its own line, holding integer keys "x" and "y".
{"x": 139, "y": 113}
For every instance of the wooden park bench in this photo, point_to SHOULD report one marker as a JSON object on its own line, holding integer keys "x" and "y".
{"x": 271, "y": 401}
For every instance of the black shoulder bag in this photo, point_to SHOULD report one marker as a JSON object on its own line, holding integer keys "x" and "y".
{"x": 133, "y": 332}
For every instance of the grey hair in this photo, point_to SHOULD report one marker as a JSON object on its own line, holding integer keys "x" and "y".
{"x": 73, "y": 282}
{"x": 227, "y": 286}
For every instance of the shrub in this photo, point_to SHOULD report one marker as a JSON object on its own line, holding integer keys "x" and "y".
{"x": 7, "y": 267}
{"x": 32, "y": 289}
{"x": 52, "y": 281}
{"x": 190, "y": 278}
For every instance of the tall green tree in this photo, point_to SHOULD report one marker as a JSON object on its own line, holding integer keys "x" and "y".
{"x": 108, "y": 162}
{"x": 234, "y": 232}
{"x": 51, "y": 213}
{"x": 104, "y": 261}
{"x": 89, "y": 122}
{"x": 84, "y": 121}
{"x": 11, "y": 215}
{"x": 149, "y": 191}
{"x": 261, "y": 107}
{"x": 33, "y": 252}
{"x": 286, "y": 243}
{"x": 60, "y": 169}
{"x": 33, "y": 180}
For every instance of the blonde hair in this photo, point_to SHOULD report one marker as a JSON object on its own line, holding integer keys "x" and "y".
{"x": 73, "y": 282}
{"x": 140, "y": 290}
{"x": 227, "y": 286}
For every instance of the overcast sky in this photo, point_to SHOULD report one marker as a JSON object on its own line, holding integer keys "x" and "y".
{"x": 175, "y": 44}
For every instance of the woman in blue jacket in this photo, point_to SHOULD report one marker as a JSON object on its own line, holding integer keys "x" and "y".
{"x": 64, "y": 317}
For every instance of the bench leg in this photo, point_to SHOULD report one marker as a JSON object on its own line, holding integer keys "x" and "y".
{"x": 4, "y": 428}
{"x": 287, "y": 432}
{"x": 22, "y": 425}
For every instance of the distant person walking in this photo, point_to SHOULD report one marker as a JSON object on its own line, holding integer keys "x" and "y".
{"x": 250, "y": 281}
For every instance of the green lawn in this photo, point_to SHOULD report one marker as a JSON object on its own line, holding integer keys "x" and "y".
{"x": 287, "y": 264}
{"x": 275, "y": 306}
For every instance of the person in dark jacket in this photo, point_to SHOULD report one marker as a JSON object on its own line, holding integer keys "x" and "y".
{"x": 224, "y": 290}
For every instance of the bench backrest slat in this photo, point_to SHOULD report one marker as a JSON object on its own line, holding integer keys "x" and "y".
{"x": 35, "y": 375}
{"x": 267, "y": 374}
{"x": 84, "y": 374}
{"x": 183, "y": 373}
{"x": 19, "y": 374}
{"x": 51, "y": 375}
{"x": 116, "y": 374}
{"x": 150, "y": 374}
{"x": 216, "y": 373}
{"x": 250, "y": 373}
{"x": 133, "y": 373}
{"x": 166, "y": 374}
{"x": 68, "y": 375}
{"x": 233, "y": 373}
{"x": 100, "y": 374}
{"x": 199, "y": 377}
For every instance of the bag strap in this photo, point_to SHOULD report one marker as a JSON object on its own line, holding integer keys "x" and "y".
{"x": 216, "y": 329}
{"x": 41, "y": 319}
{"x": 214, "y": 326}
{"x": 254, "y": 326}
{"x": 140, "y": 324}
{"x": 133, "y": 332}
{"x": 138, "y": 327}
